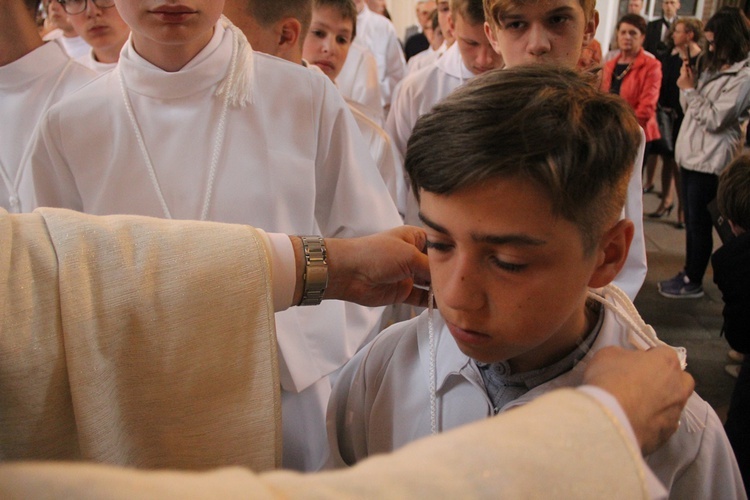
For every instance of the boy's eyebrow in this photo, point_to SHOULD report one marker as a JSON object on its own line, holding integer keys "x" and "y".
{"x": 504, "y": 16}
{"x": 515, "y": 238}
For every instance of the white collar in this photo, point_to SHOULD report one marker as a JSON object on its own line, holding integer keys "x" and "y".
{"x": 205, "y": 70}
{"x": 452, "y": 63}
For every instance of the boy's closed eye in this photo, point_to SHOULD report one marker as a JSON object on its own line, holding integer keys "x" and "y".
{"x": 443, "y": 248}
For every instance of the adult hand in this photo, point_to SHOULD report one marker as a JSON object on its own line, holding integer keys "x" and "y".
{"x": 687, "y": 78}
{"x": 379, "y": 269}
{"x": 649, "y": 385}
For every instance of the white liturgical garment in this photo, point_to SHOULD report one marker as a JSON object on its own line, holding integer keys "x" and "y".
{"x": 378, "y": 34}
{"x": 28, "y": 87}
{"x": 358, "y": 80}
{"x": 291, "y": 161}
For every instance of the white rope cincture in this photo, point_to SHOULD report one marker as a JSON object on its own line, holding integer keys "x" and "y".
{"x": 640, "y": 331}
{"x": 235, "y": 90}
{"x": 433, "y": 376}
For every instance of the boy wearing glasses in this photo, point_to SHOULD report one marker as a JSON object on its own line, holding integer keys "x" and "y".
{"x": 100, "y": 25}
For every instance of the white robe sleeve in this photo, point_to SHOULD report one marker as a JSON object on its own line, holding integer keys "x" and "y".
{"x": 633, "y": 273}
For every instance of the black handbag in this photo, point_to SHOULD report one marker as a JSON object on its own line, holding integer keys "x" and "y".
{"x": 665, "y": 118}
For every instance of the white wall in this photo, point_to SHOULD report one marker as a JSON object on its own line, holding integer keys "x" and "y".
{"x": 403, "y": 14}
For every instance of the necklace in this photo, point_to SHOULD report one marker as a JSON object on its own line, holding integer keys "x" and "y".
{"x": 14, "y": 200}
{"x": 625, "y": 71}
{"x": 218, "y": 141}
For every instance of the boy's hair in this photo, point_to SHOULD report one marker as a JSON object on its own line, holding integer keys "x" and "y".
{"x": 494, "y": 9}
{"x": 633, "y": 20}
{"x": 546, "y": 124}
{"x": 346, "y": 8}
{"x": 472, "y": 11}
{"x": 692, "y": 25}
{"x": 434, "y": 19}
{"x": 733, "y": 196}
{"x": 731, "y": 31}
{"x": 267, "y": 12}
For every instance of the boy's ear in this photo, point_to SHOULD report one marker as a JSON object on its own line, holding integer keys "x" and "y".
{"x": 489, "y": 31}
{"x": 289, "y": 32}
{"x": 612, "y": 253}
{"x": 590, "y": 29}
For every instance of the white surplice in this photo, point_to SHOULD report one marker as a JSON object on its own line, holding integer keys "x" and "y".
{"x": 292, "y": 161}
{"x": 415, "y": 96}
{"x": 377, "y": 33}
{"x": 384, "y": 152}
{"x": 28, "y": 87}
{"x": 89, "y": 60}
{"x": 358, "y": 80}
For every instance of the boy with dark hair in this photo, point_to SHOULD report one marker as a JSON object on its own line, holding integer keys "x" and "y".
{"x": 731, "y": 265}
{"x": 556, "y": 32}
{"x": 521, "y": 176}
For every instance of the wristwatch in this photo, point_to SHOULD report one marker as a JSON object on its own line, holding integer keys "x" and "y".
{"x": 315, "y": 277}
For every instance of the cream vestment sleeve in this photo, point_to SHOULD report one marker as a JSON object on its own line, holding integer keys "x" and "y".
{"x": 563, "y": 445}
{"x": 147, "y": 344}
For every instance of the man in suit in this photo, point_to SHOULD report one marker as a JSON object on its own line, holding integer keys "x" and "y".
{"x": 658, "y": 31}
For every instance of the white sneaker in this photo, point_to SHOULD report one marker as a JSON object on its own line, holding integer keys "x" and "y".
{"x": 736, "y": 356}
{"x": 733, "y": 370}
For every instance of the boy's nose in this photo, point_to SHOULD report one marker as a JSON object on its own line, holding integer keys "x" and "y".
{"x": 485, "y": 57}
{"x": 461, "y": 288}
{"x": 538, "y": 41}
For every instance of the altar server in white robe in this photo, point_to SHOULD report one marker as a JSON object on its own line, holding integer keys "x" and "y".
{"x": 64, "y": 33}
{"x": 326, "y": 46}
{"x": 378, "y": 34}
{"x": 540, "y": 42}
{"x": 33, "y": 76}
{"x": 193, "y": 124}
{"x": 434, "y": 51}
{"x": 280, "y": 28}
{"x": 99, "y": 23}
{"x": 103, "y": 290}
{"x": 470, "y": 55}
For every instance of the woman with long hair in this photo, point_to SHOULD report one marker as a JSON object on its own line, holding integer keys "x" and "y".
{"x": 711, "y": 135}
{"x": 687, "y": 33}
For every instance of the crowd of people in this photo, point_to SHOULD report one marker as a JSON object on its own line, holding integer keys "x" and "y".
{"x": 507, "y": 136}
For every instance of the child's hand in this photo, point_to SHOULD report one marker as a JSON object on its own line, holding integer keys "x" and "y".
{"x": 649, "y": 385}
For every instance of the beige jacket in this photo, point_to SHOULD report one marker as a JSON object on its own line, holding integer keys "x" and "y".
{"x": 147, "y": 345}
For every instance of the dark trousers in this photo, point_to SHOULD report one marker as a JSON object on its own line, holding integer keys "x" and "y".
{"x": 698, "y": 190}
{"x": 738, "y": 422}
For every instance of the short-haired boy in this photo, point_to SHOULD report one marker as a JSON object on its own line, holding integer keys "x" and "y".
{"x": 326, "y": 47}
{"x": 731, "y": 264}
{"x": 99, "y": 24}
{"x": 555, "y": 32}
{"x": 521, "y": 175}
{"x": 193, "y": 124}
{"x": 470, "y": 55}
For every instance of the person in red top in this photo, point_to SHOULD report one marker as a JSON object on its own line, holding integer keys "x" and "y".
{"x": 635, "y": 75}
